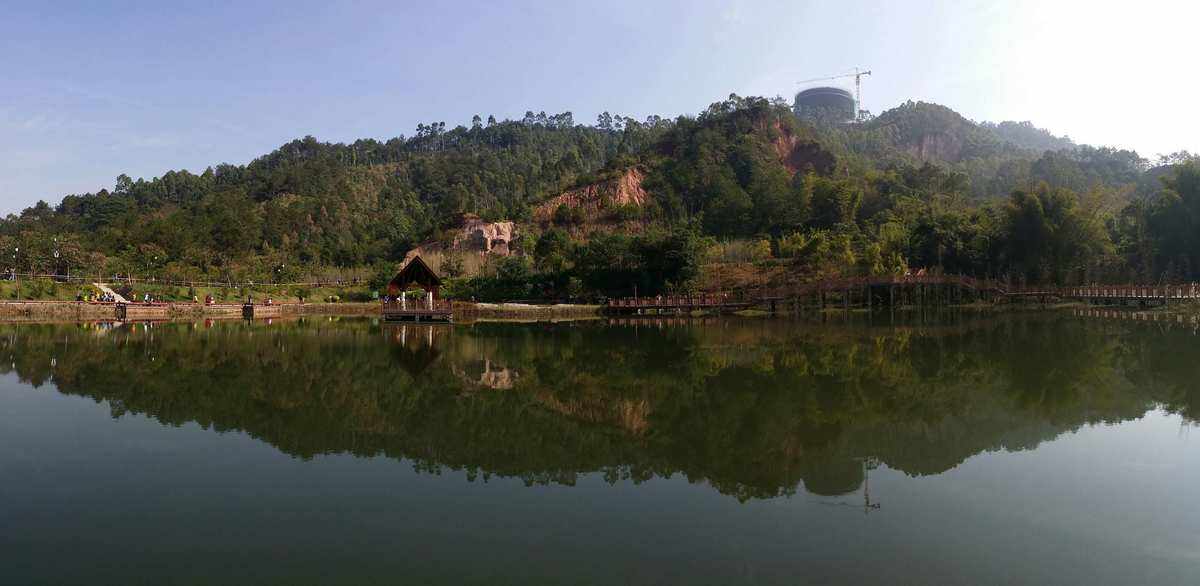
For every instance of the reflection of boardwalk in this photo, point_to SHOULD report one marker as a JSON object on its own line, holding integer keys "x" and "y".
{"x": 658, "y": 321}
{"x": 1191, "y": 322}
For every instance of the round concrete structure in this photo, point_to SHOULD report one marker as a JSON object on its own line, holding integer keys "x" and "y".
{"x": 826, "y": 101}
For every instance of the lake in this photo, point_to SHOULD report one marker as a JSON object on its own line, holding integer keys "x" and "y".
{"x": 963, "y": 448}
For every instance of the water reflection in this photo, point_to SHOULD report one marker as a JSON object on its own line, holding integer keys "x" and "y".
{"x": 754, "y": 408}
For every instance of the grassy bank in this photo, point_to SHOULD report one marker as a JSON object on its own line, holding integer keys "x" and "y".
{"x": 50, "y": 290}
{"x": 43, "y": 290}
{"x": 170, "y": 293}
{"x": 55, "y": 311}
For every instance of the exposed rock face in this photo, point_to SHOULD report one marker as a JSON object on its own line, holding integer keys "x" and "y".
{"x": 592, "y": 200}
{"x": 938, "y": 146}
{"x": 477, "y": 235}
{"x": 802, "y": 156}
{"x": 473, "y": 235}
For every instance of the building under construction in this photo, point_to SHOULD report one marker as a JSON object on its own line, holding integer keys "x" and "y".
{"x": 830, "y": 102}
{"x": 826, "y": 102}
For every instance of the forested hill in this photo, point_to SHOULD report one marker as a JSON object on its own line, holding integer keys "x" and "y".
{"x": 918, "y": 186}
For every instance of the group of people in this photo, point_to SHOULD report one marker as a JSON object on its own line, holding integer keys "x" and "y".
{"x": 105, "y": 297}
{"x": 96, "y": 297}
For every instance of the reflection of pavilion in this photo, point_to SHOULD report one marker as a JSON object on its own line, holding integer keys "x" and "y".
{"x": 414, "y": 346}
{"x": 417, "y": 347}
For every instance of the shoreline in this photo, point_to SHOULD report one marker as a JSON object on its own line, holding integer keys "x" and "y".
{"x": 464, "y": 312}
{"x": 83, "y": 311}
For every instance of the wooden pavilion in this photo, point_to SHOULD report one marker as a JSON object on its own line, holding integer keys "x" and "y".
{"x": 415, "y": 272}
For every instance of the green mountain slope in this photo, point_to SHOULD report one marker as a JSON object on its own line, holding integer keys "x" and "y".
{"x": 918, "y": 186}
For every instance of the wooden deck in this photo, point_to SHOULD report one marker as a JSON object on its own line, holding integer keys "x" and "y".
{"x": 439, "y": 310}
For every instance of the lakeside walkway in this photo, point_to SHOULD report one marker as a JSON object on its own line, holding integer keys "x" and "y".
{"x": 890, "y": 291}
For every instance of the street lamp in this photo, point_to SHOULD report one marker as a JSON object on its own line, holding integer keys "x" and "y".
{"x": 16, "y": 272}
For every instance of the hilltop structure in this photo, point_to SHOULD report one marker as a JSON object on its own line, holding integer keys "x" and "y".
{"x": 826, "y": 102}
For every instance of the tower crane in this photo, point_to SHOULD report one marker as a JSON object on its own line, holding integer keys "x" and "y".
{"x": 858, "y": 75}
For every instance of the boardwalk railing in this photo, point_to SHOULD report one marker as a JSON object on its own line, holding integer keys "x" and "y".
{"x": 714, "y": 299}
{"x": 755, "y": 295}
{"x": 1134, "y": 292}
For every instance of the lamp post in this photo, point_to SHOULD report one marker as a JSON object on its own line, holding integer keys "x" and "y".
{"x": 16, "y": 270}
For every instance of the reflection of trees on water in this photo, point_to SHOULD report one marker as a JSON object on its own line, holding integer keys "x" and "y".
{"x": 756, "y": 408}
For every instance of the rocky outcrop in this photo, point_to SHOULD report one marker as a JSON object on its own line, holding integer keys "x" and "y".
{"x": 595, "y": 200}
{"x": 476, "y": 235}
{"x": 939, "y": 146}
{"x": 801, "y": 155}
{"x": 472, "y": 234}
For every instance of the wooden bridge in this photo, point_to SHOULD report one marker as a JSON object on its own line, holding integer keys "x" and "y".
{"x": 890, "y": 291}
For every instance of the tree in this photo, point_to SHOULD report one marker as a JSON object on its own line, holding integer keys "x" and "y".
{"x": 1050, "y": 237}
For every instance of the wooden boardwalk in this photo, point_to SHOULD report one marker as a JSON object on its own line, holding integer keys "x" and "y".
{"x": 1145, "y": 294}
{"x": 890, "y": 291}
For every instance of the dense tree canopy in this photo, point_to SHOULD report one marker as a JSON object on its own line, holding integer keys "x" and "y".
{"x": 917, "y": 187}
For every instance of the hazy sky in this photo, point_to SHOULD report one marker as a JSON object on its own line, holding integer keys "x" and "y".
{"x": 90, "y": 90}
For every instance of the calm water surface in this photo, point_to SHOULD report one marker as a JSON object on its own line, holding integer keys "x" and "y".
{"x": 1039, "y": 448}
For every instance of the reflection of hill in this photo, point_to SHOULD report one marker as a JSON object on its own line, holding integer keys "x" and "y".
{"x": 756, "y": 408}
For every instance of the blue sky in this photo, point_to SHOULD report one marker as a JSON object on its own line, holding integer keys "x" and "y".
{"x": 90, "y": 90}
